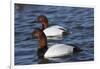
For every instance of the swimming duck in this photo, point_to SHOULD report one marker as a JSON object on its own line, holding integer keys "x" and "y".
{"x": 55, "y": 30}
{"x": 55, "y": 50}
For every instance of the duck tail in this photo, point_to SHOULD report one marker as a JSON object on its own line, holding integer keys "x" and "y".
{"x": 76, "y": 48}
{"x": 65, "y": 32}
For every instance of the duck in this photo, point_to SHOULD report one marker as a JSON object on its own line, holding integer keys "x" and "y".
{"x": 51, "y": 31}
{"x": 56, "y": 50}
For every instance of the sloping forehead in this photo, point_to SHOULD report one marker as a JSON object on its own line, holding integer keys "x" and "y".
{"x": 37, "y": 31}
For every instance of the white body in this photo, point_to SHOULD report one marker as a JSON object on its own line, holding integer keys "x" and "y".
{"x": 54, "y": 30}
{"x": 58, "y": 50}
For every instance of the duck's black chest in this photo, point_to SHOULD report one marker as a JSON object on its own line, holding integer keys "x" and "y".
{"x": 41, "y": 52}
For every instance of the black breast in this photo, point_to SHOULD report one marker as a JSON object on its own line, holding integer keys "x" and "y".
{"x": 41, "y": 52}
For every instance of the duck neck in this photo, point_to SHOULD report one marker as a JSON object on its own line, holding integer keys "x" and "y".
{"x": 42, "y": 41}
{"x": 44, "y": 25}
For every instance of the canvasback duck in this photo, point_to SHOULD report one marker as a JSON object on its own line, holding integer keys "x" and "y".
{"x": 56, "y": 50}
{"x": 51, "y": 31}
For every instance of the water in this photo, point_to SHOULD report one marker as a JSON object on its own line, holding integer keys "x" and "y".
{"x": 79, "y": 21}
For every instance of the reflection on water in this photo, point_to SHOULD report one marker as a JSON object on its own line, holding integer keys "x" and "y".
{"x": 79, "y": 21}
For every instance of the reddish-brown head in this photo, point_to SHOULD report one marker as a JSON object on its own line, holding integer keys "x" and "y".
{"x": 43, "y": 20}
{"x": 37, "y": 33}
{"x": 41, "y": 37}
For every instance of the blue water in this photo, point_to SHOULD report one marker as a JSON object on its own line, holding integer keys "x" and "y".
{"x": 79, "y": 21}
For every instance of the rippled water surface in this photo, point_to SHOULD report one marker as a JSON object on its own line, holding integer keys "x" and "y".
{"x": 79, "y": 21}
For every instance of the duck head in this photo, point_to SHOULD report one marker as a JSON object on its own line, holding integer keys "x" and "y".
{"x": 41, "y": 37}
{"x": 37, "y": 33}
{"x": 42, "y": 42}
{"x": 43, "y": 20}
